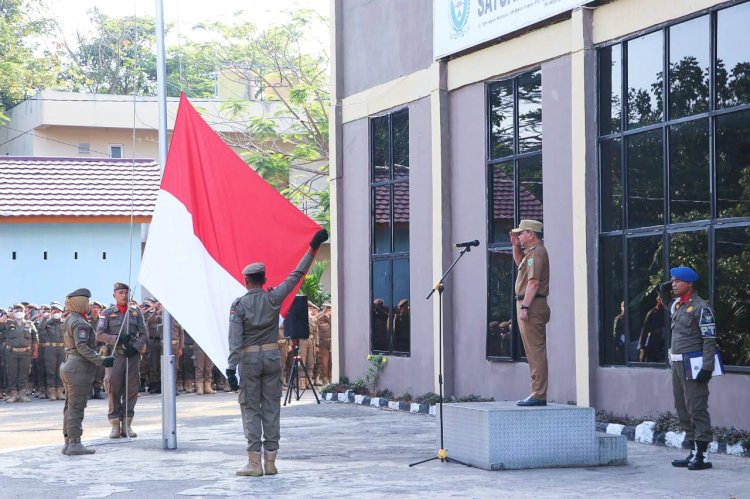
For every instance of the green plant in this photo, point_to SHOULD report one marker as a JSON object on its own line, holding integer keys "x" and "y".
{"x": 312, "y": 285}
{"x": 359, "y": 387}
{"x": 384, "y": 394}
{"x": 428, "y": 398}
{"x": 377, "y": 363}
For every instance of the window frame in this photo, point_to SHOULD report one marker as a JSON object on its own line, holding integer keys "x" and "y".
{"x": 122, "y": 151}
{"x": 392, "y": 255}
{"x": 667, "y": 228}
{"x": 516, "y": 345}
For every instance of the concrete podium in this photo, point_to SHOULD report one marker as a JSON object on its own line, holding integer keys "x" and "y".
{"x": 503, "y": 436}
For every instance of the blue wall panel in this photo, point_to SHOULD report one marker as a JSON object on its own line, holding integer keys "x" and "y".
{"x": 32, "y": 278}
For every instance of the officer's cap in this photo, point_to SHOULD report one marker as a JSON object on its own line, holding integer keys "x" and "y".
{"x": 44, "y": 307}
{"x": 254, "y": 268}
{"x": 34, "y": 306}
{"x": 19, "y": 305}
{"x": 56, "y": 307}
{"x": 312, "y": 305}
{"x": 684, "y": 274}
{"x": 121, "y": 285}
{"x": 402, "y": 303}
{"x": 80, "y": 292}
{"x": 532, "y": 225}
{"x": 99, "y": 304}
{"x": 327, "y": 304}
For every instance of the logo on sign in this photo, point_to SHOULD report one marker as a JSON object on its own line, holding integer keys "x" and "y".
{"x": 459, "y": 15}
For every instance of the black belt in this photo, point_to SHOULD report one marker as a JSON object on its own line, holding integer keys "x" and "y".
{"x": 154, "y": 338}
{"x": 521, "y": 297}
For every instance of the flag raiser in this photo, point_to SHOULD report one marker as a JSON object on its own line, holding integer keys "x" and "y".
{"x": 213, "y": 216}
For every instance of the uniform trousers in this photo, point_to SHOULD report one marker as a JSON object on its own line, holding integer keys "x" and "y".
{"x": 115, "y": 382}
{"x": 307, "y": 354}
{"x": 534, "y": 337}
{"x": 18, "y": 365}
{"x": 324, "y": 359}
{"x": 38, "y": 372}
{"x": 260, "y": 399}
{"x": 154, "y": 350}
{"x": 203, "y": 367}
{"x": 53, "y": 358}
{"x": 77, "y": 375}
{"x": 691, "y": 402}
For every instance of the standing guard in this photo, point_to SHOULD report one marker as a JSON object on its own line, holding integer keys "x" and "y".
{"x": 51, "y": 340}
{"x": 123, "y": 328}
{"x": 22, "y": 345}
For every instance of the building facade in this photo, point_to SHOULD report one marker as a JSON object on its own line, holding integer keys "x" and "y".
{"x": 623, "y": 125}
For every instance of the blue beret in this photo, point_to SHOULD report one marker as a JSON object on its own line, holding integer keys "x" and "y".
{"x": 684, "y": 274}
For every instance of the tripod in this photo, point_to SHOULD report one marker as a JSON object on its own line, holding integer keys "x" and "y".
{"x": 442, "y": 452}
{"x": 294, "y": 377}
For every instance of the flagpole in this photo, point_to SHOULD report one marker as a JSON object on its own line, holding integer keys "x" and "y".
{"x": 168, "y": 386}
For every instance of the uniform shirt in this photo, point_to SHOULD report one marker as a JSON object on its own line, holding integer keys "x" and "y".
{"x": 20, "y": 335}
{"x": 313, "y": 325}
{"x": 324, "y": 326}
{"x": 79, "y": 338}
{"x": 694, "y": 329}
{"x": 534, "y": 265}
{"x": 155, "y": 325}
{"x": 254, "y": 317}
{"x": 50, "y": 331}
{"x": 111, "y": 320}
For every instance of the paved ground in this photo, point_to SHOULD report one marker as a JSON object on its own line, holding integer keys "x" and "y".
{"x": 327, "y": 450}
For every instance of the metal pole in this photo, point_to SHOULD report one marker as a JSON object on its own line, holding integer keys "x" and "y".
{"x": 168, "y": 387}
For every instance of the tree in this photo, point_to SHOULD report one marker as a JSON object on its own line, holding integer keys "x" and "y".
{"x": 24, "y": 68}
{"x": 277, "y": 66}
{"x": 120, "y": 58}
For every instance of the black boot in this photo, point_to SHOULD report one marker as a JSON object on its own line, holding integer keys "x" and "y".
{"x": 97, "y": 394}
{"x": 143, "y": 385}
{"x": 701, "y": 461}
{"x": 154, "y": 387}
{"x": 683, "y": 463}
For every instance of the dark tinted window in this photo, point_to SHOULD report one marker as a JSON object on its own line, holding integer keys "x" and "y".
{"x": 689, "y": 67}
{"x": 610, "y": 89}
{"x": 689, "y": 172}
{"x": 733, "y": 56}
{"x": 733, "y": 165}
{"x": 611, "y": 184}
{"x": 645, "y": 175}
{"x": 645, "y": 79}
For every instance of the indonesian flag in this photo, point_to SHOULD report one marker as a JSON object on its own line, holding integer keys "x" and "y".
{"x": 213, "y": 216}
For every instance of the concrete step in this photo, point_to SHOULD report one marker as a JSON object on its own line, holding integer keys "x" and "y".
{"x": 501, "y": 435}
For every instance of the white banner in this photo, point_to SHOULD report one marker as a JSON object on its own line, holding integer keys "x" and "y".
{"x": 460, "y": 24}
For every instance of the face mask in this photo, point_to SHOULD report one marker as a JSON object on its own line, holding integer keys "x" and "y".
{"x": 18, "y": 315}
{"x": 56, "y": 316}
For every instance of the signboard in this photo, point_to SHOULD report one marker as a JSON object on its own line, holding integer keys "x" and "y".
{"x": 460, "y": 24}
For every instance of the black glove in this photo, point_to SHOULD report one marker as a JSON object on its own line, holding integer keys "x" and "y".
{"x": 108, "y": 361}
{"x": 234, "y": 385}
{"x": 124, "y": 339}
{"x": 318, "y": 238}
{"x": 703, "y": 375}
{"x": 130, "y": 351}
{"x": 665, "y": 287}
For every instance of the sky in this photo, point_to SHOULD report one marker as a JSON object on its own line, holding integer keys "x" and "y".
{"x": 182, "y": 14}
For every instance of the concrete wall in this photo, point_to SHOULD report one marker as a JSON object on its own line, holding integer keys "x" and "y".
{"x": 31, "y": 278}
{"x": 383, "y": 40}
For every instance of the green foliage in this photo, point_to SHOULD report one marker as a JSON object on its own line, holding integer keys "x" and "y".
{"x": 359, "y": 387}
{"x": 24, "y": 67}
{"x": 427, "y": 398}
{"x": 312, "y": 286}
{"x": 385, "y": 394}
{"x": 377, "y": 363}
{"x": 469, "y": 398}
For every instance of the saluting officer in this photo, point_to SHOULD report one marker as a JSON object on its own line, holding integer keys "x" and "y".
{"x": 253, "y": 335}
{"x": 693, "y": 331}
{"x": 124, "y": 329}
{"x": 96, "y": 309}
{"x": 51, "y": 329}
{"x": 79, "y": 369}
{"x": 21, "y": 345}
{"x": 532, "y": 288}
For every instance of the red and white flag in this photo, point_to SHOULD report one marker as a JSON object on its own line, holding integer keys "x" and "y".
{"x": 213, "y": 216}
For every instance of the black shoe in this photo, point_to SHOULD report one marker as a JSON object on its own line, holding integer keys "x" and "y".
{"x": 531, "y": 402}
{"x": 683, "y": 463}
{"x": 701, "y": 461}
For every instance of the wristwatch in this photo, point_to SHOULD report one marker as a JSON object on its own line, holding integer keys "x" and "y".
{"x": 524, "y": 307}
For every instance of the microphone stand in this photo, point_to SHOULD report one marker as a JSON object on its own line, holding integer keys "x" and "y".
{"x": 442, "y": 453}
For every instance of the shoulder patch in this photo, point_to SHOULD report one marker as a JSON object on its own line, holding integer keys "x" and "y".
{"x": 707, "y": 323}
{"x": 100, "y": 323}
{"x": 530, "y": 262}
{"x": 83, "y": 333}
{"x": 114, "y": 315}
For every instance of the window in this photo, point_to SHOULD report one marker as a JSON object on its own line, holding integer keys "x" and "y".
{"x": 84, "y": 148}
{"x": 389, "y": 209}
{"x": 514, "y": 177}
{"x": 674, "y": 158}
{"x": 115, "y": 150}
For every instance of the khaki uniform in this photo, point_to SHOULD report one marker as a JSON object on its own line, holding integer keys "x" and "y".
{"x": 535, "y": 265}
{"x": 693, "y": 330}
{"x": 187, "y": 369}
{"x": 78, "y": 371}
{"x": 103, "y": 350}
{"x": 307, "y": 351}
{"x": 51, "y": 342}
{"x": 324, "y": 344}
{"x": 253, "y": 345}
{"x": 21, "y": 339}
{"x": 155, "y": 347}
{"x": 204, "y": 367}
{"x": 110, "y": 323}
{"x": 283, "y": 347}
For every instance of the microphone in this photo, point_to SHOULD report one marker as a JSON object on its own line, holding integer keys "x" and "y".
{"x": 467, "y": 244}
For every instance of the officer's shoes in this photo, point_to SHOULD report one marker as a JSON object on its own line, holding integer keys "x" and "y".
{"x": 701, "y": 461}
{"x": 115, "y": 433}
{"x": 269, "y": 462}
{"x": 75, "y": 448}
{"x": 253, "y": 466}
{"x": 683, "y": 463}
{"x": 531, "y": 402}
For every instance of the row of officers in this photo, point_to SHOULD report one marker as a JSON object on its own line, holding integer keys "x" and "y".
{"x": 31, "y": 350}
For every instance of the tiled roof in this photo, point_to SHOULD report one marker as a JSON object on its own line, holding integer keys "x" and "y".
{"x": 46, "y": 186}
